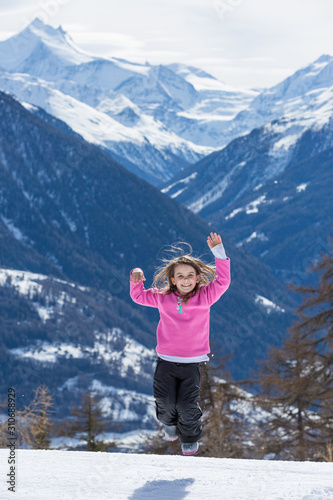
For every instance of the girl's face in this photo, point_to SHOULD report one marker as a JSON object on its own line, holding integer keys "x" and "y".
{"x": 185, "y": 278}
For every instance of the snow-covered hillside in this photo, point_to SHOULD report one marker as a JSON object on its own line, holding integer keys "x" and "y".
{"x": 257, "y": 157}
{"x": 270, "y": 188}
{"x": 159, "y": 118}
{"x": 58, "y": 302}
{"x": 305, "y": 96}
{"x": 115, "y": 124}
{"x": 156, "y": 119}
{"x": 124, "y": 358}
{"x": 88, "y": 476}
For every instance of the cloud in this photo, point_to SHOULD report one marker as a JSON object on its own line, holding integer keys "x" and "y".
{"x": 4, "y": 35}
{"x": 243, "y": 72}
{"x": 260, "y": 41}
{"x": 127, "y": 46}
{"x": 105, "y": 38}
{"x": 16, "y": 6}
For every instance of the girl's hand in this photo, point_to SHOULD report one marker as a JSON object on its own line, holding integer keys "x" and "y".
{"x": 213, "y": 240}
{"x": 137, "y": 276}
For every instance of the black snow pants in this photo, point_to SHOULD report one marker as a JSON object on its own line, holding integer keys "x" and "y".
{"x": 176, "y": 392}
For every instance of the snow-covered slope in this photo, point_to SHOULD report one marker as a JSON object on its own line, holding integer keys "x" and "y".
{"x": 117, "y": 476}
{"x": 272, "y": 185}
{"x": 301, "y": 103}
{"x": 71, "y": 331}
{"x": 301, "y": 93}
{"x": 295, "y": 91}
{"x": 114, "y": 124}
{"x": 75, "y": 217}
{"x": 35, "y": 41}
{"x": 267, "y": 150}
{"x": 159, "y": 118}
{"x": 270, "y": 191}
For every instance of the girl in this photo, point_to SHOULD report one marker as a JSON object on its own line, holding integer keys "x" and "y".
{"x": 183, "y": 292}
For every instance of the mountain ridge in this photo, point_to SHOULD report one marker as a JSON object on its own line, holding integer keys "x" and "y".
{"x": 179, "y": 115}
{"x": 70, "y": 212}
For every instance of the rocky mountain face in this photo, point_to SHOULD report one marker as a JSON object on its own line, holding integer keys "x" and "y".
{"x": 155, "y": 119}
{"x": 73, "y": 223}
{"x": 73, "y": 338}
{"x": 270, "y": 189}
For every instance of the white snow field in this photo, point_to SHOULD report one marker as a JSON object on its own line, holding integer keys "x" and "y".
{"x": 71, "y": 475}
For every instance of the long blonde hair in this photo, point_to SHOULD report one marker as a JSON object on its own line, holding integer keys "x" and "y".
{"x": 162, "y": 277}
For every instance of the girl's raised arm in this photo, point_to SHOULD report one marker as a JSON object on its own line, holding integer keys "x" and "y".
{"x": 138, "y": 292}
{"x": 213, "y": 240}
{"x": 216, "y": 288}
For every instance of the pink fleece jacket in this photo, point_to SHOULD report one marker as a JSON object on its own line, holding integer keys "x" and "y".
{"x": 186, "y": 334}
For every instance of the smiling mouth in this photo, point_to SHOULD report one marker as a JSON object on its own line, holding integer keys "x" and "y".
{"x": 186, "y": 286}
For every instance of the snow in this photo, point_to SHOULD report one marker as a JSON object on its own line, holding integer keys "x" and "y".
{"x": 71, "y": 475}
{"x": 71, "y": 224}
{"x": 119, "y": 104}
{"x": 129, "y": 355}
{"x": 29, "y": 284}
{"x": 217, "y": 191}
{"x": 302, "y": 102}
{"x": 268, "y": 304}
{"x": 44, "y": 313}
{"x": 280, "y": 134}
{"x": 233, "y": 213}
{"x": 250, "y": 208}
{"x": 122, "y": 406}
{"x": 174, "y": 195}
{"x": 47, "y": 352}
{"x": 29, "y": 107}
{"x": 16, "y": 232}
{"x": 25, "y": 282}
{"x": 286, "y": 142}
{"x": 19, "y": 47}
{"x": 186, "y": 180}
{"x": 253, "y": 236}
{"x": 125, "y": 441}
{"x": 176, "y": 109}
{"x": 119, "y": 404}
{"x": 208, "y": 83}
{"x": 102, "y": 123}
{"x": 301, "y": 187}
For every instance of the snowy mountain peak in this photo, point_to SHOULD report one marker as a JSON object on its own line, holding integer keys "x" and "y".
{"x": 38, "y": 26}
{"x": 50, "y": 35}
{"x": 37, "y": 42}
{"x": 318, "y": 74}
{"x": 324, "y": 58}
{"x": 159, "y": 118}
{"x": 185, "y": 70}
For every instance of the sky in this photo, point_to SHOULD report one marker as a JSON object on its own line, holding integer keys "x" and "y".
{"x": 244, "y": 43}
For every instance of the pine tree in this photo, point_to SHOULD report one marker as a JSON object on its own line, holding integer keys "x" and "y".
{"x": 316, "y": 324}
{"x": 224, "y": 432}
{"x": 290, "y": 395}
{"x": 297, "y": 379}
{"x": 88, "y": 423}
